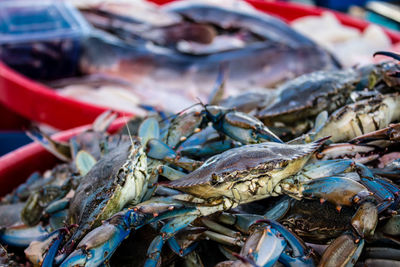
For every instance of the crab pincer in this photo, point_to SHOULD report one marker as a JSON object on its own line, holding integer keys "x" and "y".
{"x": 270, "y": 242}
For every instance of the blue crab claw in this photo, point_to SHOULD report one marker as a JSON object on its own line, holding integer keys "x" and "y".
{"x": 263, "y": 247}
{"x": 344, "y": 251}
{"x": 97, "y": 246}
{"x": 325, "y": 168}
{"x": 167, "y": 234}
{"x": 22, "y": 235}
{"x": 299, "y": 254}
{"x": 337, "y": 190}
{"x": 104, "y": 120}
{"x": 395, "y": 190}
{"x": 365, "y": 220}
{"x": 206, "y": 143}
{"x": 383, "y": 195}
{"x": 208, "y": 149}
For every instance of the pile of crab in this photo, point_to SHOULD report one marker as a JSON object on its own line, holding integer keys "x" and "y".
{"x": 217, "y": 184}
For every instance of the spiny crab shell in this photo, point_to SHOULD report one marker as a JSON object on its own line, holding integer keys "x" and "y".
{"x": 246, "y": 173}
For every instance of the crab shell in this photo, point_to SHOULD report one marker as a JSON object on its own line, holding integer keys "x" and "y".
{"x": 246, "y": 173}
{"x": 118, "y": 178}
{"x": 310, "y": 94}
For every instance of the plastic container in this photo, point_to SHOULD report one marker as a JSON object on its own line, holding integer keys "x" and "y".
{"x": 40, "y": 103}
{"x": 41, "y": 39}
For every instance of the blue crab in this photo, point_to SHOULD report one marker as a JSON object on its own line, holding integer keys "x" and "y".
{"x": 359, "y": 118}
{"x": 226, "y": 187}
{"x": 123, "y": 174}
{"x": 222, "y": 182}
{"x": 300, "y": 100}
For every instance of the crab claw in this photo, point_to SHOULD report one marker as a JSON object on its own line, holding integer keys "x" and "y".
{"x": 239, "y": 126}
{"x": 104, "y": 120}
{"x": 263, "y": 247}
{"x": 299, "y": 254}
{"x": 337, "y": 190}
{"x": 97, "y": 246}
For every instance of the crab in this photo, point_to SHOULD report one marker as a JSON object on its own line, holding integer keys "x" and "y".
{"x": 300, "y": 100}
{"x": 123, "y": 175}
{"x": 237, "y": 176}
{"x": 360, "y": 118}
{"x": 218, "y": 190}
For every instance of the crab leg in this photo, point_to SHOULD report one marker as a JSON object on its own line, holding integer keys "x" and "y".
{"x": 325, "y": 168}
{"x": 298, "y": 247}
{"x": 342, "y": 252}
{"x": 223, "y": 239}
{"x": 208, "y": 149}
{"x": 59, "y": 149}
{"x": 239, "y": 126}
{"x": 243, "y": 222}
{"x": 99, "y": 244}
{"x": 388, "y": 54}
{"x": 156, "y": 149}
{"x": 167, "y": 234}
{"x": 216, "y": 227}
{"x": 170, "y": 173}
{"x": 48, "y": 260}
{"x": 391, "y": 133}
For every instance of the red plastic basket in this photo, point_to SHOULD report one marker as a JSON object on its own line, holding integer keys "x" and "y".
{"x": 40, "y": 103}
{"x": 37, "y": 102}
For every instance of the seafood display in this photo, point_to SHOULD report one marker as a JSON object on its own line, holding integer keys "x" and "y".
{"x": 308, "y": 178}
{"x": 251, "y": 145}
